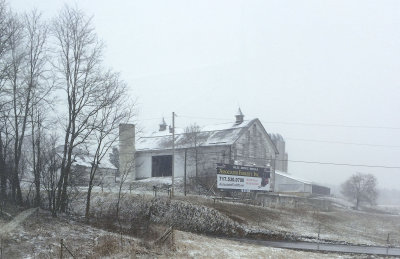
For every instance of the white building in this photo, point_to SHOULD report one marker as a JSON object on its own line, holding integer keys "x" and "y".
{"x": 285, "y": 183}
{"x": 197, "y": 152}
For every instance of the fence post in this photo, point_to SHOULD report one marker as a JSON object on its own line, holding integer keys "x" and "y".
{"x": 319, "y": 231}
{"x": 155, "y": 190}
{"x": 173, "y": 238}
{"x": 388, "y": 243}
{"x": 61, "y": 249}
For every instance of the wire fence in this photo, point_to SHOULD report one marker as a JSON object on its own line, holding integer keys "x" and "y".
{"x": 64, "y": 247}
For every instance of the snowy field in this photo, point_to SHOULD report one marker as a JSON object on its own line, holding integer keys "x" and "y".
{"x": 341, "y": 224}
{"x": 39, "y": 237}
{"x": 194, "y": 215}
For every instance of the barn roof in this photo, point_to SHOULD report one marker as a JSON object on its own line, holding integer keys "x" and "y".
{"x": 86, "y": 161}
{"x": 279, "y": 173}
{"x": 82, "y": 157}
{"x": 292, "y": 177}
{"x": 213, "y": 135}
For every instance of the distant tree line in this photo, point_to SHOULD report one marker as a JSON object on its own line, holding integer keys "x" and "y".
{"x": 56, "y": 95}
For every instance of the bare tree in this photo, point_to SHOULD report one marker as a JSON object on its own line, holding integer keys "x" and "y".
{"x": 50, "y": 165}
{"x": 360, "y": 188}
{"x": 23, "y": 91}
{"x": 193, "y": 157}
{"x": 3, "y": 164}
{"x": 21, "y": 97}
{"x": 116, "y": 111}
{"x": 124, "y": 173}
{"x": 114, "y": 157}
{"x": 5, "y": 153}
{"x": 193, "y": 139}
{"x": 5, "y": 35}
{"x": 82, "y": 79}
{"x": 36, "y": 62}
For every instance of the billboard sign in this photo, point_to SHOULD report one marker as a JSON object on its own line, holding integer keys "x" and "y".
{"x": 238, "y": 177}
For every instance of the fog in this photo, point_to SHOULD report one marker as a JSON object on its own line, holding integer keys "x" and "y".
{"x": 323, "y": 74}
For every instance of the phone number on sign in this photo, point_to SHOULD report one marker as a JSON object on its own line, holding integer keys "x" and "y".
{"x": 231, "y": 179}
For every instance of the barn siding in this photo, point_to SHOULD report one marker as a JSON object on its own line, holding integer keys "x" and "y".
{"x": 253, "y": 147}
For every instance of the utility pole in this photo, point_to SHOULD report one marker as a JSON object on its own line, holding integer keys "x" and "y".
{"x": 173, "y": 152}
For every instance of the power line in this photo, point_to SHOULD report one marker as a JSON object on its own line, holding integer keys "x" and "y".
{"x": 322, "y": 141}
{"x": 205, "y": 118}
{"x": 342, "y": 164}
{"x": 148, "y": 119}
{"x": 308, "y": 162}
{"x": 343, "y": 143}
{"x": 304, "y": 123}
{"x": 332, "y": 125}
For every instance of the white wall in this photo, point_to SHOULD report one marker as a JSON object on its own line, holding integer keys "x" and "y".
{"x": 144, "y": 162}
{"x": 287, "y": 184}
{"x": 208, "y": 157}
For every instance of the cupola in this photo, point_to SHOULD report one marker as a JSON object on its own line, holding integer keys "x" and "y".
{"x": 163, "y": 125}
{"x": 239, "y": 117}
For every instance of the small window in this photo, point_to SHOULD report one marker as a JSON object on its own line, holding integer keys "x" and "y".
{"x": 161, "y": 166}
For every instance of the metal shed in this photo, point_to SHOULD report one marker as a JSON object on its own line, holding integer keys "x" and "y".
{"x": 288, "y": 184}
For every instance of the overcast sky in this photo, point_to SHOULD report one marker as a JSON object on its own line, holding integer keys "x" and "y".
{"x": 284, "y": 62}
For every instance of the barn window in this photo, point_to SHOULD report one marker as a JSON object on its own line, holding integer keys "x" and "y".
{"x": 161, "y": 166}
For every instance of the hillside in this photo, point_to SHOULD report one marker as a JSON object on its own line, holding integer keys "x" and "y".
{"x": 40, "y": 237}
{"x": 200, "y": 214}
{"x": 201, "y": 228}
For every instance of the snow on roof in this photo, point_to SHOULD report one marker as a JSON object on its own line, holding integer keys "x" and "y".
{"x": 291, "y": 177}
{"x": 220, "y": 134}
{"x": 276, "y": 137}
{"x": 86, "y": 161}
{"x": 297, "y": 179}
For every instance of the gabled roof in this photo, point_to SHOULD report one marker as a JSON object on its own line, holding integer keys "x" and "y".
{"x": 214, "y": 135}
{"x": 86, "y": 161}
{"x": 298, "y": 179}
{"x": 292, "y": 177}
{"x": 81, "y": 157}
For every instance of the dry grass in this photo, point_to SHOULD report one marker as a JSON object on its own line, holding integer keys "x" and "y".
{"x": 339, "y": 224}
{"x": 106, "y": 246}
{"x": 39, "y": 237}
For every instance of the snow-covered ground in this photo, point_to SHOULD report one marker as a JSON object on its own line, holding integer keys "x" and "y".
{"x": 201, "y": 214}
{"x": 40, "y": 237}
{"x": 341, "y": 224}
{"x": 395, "y": 209}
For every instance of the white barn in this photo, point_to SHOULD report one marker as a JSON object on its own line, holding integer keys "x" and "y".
{"x": 244, "y": 142}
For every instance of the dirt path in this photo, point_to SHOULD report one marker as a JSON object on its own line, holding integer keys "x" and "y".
{"x": 16, "y": 221}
